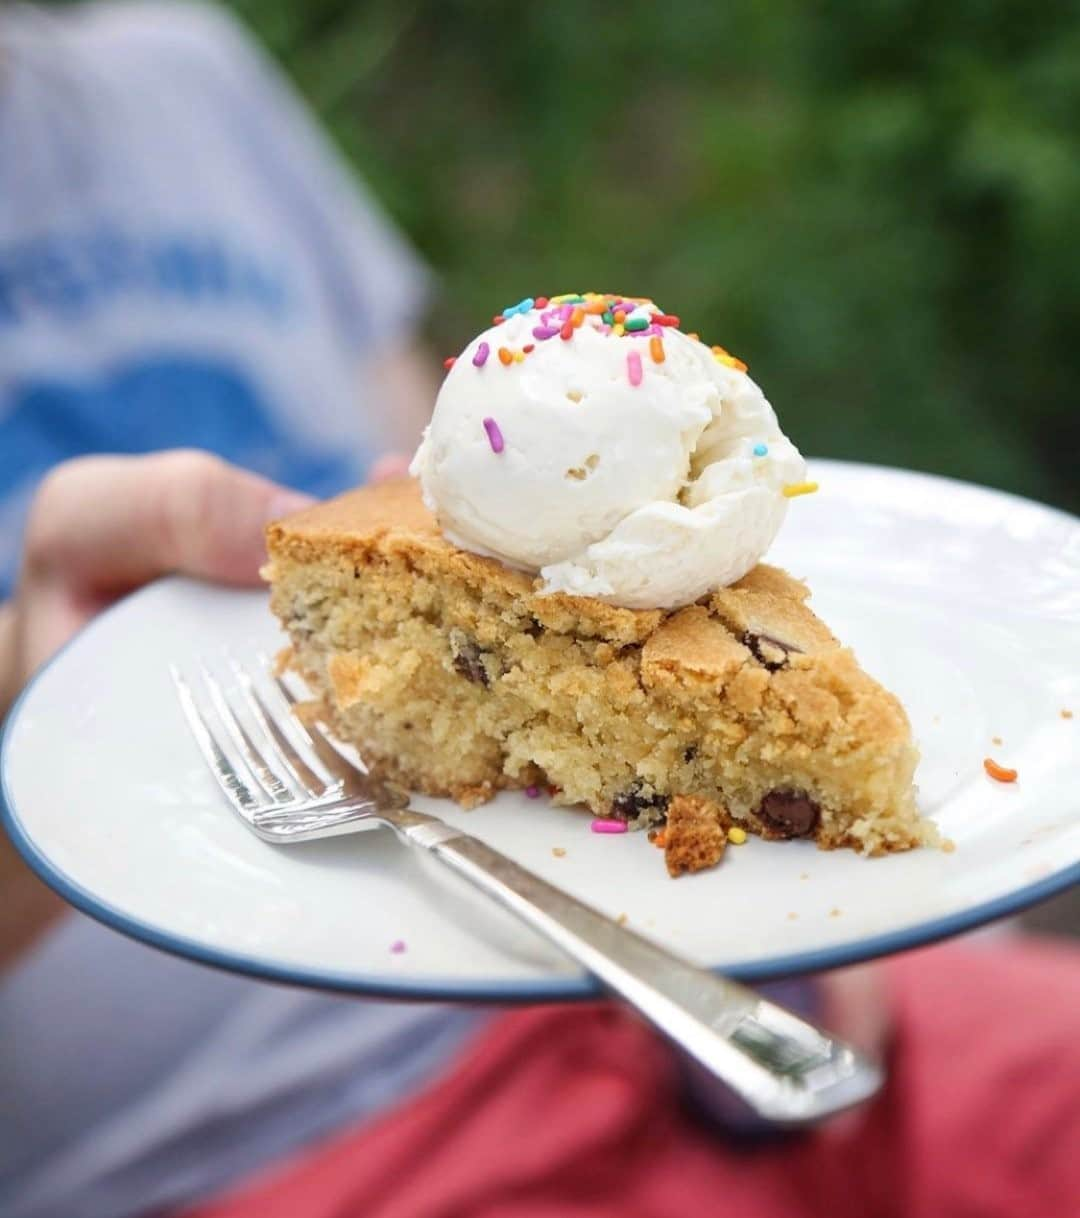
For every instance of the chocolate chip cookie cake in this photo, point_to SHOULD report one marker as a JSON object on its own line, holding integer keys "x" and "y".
{"x": 571, "y": 595}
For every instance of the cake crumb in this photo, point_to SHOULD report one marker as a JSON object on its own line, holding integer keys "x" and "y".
{"x": 793, "y": 917}
{"x": 473, "y": 796}
{"x": 558, "y": 851}
{"x": 1066, "y": 713}
{"x": 804, "y": 875}
{"x": 835, "y": 913}
{"x": 997, "y": 740}
{"x": 621, "y": 920}
{"x": 936, "y": 719}
{"x": 695, "y": 836}
{"x": 948, "y": 846}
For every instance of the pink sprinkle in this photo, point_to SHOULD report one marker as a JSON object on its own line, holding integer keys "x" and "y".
{"x": 480, "y": 358}
{"x": 565, "y": 311}
{"x": 633, "y": 368}
{"x": 532, "y": 792}
{"x": 608, "y": 826}
{"x": 495, "y": 436}
{"x": 543, "y": 332}
{"x": 398, "y": 946}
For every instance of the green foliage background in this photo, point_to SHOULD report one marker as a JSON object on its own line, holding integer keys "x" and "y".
{"x": 876, "y": 204}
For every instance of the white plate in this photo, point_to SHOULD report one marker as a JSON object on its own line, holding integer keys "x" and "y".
{"x": 964, "y": 601}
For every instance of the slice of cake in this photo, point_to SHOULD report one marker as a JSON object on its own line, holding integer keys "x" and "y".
{"x": 456, "y": 675}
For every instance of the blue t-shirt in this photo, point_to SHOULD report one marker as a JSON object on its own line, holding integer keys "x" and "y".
{"x": 182, "y": 261}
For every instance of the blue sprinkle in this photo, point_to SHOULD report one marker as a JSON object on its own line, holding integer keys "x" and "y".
{"x": 523, "y": 306}
{"x": 760, "y": 450}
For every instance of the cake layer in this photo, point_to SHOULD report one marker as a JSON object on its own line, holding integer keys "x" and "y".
{"x": 454, "y": 677}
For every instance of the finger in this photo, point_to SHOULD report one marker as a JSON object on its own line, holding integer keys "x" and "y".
{"x": 392, "y": 465}
{"x": 857, "y": 1006}
{"x": 107, "y": 523}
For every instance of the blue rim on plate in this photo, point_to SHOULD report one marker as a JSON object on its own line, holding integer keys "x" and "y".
{"x": 494, "y": 989}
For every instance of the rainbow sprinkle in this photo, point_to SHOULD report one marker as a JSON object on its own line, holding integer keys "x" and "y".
{"x": 608, "y": 313}
{"x": 761, "y": 450}
{"x": 633, "y": 368}
{"x": 494, "y": 435}
{"x": 608, "y": 826}
{"x": 792, "y": 489}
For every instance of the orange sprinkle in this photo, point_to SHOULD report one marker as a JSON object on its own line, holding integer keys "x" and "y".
{"x": 660, "y": 839}
{"x": 449, "y": 362}
{"x": 506, "y": 356}
{"x": 596, "y": 306}
{"x": 656, "y": 349}
{"x": 1066, "y": 714}
{"x": 998, "y": 772}
{"x": 620, "y": 316}
{"x": 577, "y": 317}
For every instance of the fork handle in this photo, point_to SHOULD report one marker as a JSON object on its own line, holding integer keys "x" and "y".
{"x": 786, "y": 1069}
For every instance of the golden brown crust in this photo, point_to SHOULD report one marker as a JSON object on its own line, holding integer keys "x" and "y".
{"x": 391, "y": 519}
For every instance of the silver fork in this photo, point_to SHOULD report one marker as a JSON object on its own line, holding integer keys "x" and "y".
{"x": 786, "y": 1069}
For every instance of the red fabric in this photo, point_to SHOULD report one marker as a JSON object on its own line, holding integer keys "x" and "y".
{"x": 570, "y": 1112}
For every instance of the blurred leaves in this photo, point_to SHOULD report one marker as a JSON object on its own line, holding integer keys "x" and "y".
{"x": 873, "y": 204}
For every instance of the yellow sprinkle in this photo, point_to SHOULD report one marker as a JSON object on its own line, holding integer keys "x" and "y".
{"x": 799, "y": 488}
{"x": 736, "y": 836}
{"x": 618, "y": 329}
{"x": 519, "y": 357}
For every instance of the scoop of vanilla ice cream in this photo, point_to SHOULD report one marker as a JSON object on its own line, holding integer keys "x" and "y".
{"x": 640, "y": 472}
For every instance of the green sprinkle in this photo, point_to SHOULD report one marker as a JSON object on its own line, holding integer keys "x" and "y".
{"x": 636, "y": 323}
{"x": 608, "y": 318}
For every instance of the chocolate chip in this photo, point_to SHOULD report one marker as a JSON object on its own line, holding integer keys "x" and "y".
{"x": 789, "y": 813}
{"x": 468, "y": 659}
{"x": 770, "y": 652}
{"x": 635, "y": 801}
{"x": 690, "y": 753}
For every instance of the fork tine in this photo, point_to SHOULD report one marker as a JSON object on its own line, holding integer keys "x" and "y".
{"x": 256, "y": 763}
{"x": 288, "y": 756}
{"x": 230, "y": 782}
{"x": 286, "y": 731}
{"x": 317, "y": 738}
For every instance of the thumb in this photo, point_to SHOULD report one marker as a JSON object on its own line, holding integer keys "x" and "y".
{"x": 391, "y": 465}
{"x": 106, "y": 524}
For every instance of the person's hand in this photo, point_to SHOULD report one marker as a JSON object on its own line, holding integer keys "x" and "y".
{"x": 101, "y": 526}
